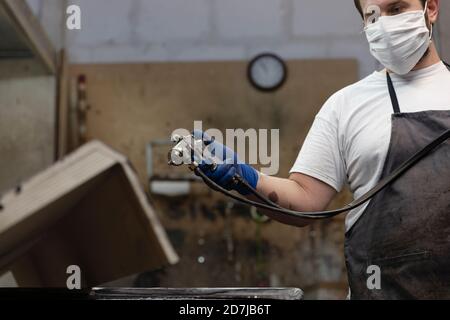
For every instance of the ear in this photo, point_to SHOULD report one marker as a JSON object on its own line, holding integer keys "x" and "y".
{"x": 433, "y": 11}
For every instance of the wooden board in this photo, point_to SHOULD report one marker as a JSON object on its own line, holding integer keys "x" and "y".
{"x": 88, "y": 210}
{"x": 62, "y": 110}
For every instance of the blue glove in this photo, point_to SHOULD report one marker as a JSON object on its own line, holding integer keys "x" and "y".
{"x": 231, "y": 165}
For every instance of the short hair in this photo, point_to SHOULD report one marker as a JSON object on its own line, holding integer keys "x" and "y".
{"x": 358, "y": 6}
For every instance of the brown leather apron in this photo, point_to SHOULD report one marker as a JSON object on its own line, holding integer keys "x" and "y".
{"x": 405, "y": 230}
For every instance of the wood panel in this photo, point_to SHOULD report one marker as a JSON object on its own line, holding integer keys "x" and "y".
{"x": 88, "y": 210}
{"x": 62, "y": 109}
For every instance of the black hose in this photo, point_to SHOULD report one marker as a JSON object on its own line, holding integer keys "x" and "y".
{"x": 331, "y": 213}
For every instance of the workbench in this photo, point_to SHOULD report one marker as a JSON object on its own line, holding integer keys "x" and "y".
{"x": 156, "y": 294}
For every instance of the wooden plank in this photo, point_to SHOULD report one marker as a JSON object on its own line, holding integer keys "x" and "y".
{"x": 62, "y": 110}
{"x": 27, "y": 24}
{"x": 88, "y": 210}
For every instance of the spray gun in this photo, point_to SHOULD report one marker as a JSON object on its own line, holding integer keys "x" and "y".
{"x": 190, "y": 150}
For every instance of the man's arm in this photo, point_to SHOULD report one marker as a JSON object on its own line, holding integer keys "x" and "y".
{"x": 300, "y": 193}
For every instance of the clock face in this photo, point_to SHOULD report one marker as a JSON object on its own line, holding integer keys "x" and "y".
{"x": 267, "y": 72}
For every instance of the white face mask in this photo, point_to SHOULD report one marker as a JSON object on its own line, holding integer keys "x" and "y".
{"x": 399, "y": 42}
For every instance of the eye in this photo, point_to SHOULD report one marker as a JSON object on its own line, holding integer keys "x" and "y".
{"x": 396, "y": 10}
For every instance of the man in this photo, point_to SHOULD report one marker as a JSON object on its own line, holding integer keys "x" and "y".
{"x": 362, "y": 134}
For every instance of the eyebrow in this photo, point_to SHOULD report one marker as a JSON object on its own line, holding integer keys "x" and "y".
{"x": 388, "y": 6}
{"x": 402, "y": 2}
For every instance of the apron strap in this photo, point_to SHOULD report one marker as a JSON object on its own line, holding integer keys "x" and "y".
{"x": 392, "y": 94}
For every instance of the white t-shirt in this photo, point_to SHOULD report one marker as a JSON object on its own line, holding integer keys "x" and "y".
{"x": 349, "y": 139}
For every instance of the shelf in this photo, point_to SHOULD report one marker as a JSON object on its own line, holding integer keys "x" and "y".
{"x": 23, "y": 36}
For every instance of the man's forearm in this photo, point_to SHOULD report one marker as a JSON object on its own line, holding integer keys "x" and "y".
{"x": 291, "y": 194}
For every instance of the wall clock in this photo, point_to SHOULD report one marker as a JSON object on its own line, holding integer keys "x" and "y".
{"x": 267, "y": 72}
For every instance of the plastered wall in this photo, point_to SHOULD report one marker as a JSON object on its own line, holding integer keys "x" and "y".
{"x": 205, "y": 30}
